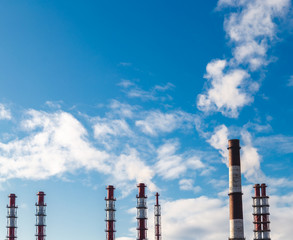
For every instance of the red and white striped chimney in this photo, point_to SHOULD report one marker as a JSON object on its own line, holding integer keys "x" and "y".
{"x": 110, "y": 213}
{"x": 157, "y": 213}
{"x": 11, "y": 218}
{"x": 265, "y": 213}
{"x": 257, "y": 213}
{"x": 41, "y": 217}
{"x": 235, "y": 191}
{"x": 141, "y": 212}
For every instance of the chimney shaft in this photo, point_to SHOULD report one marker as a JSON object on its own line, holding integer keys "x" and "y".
{"x": 157, "y": 218}
{"x": 235, "y": 192}
{"x": 141, "y": 212}
{"x": 41, "y": 217}
{"x": 257, "y": 213}
{"x": 110, "y": 213}
{"x": 265, "y": 213}
{"x": 11, "y": 218}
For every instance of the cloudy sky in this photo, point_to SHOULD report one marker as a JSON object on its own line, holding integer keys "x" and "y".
{"x": 94, "y": 93}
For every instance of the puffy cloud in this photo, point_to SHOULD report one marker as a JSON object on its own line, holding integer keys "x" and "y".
{"x": 251, "y": 29}
{"x": 191, "y": 219}
{"x": 250, "y": 159}
{"x": 227, "y": 92}
{"x": 130, "y": 167}
{"x": 157, "y": 122}
{"x": 56, "y": 144}
{"x": 4, "y": 112}
{"x": 219, "y": 140}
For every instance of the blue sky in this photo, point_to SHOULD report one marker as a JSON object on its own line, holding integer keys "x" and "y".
{"x": 100, "y": 92}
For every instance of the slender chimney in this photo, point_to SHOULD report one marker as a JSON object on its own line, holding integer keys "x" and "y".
{"x": 265, "y": 213}
{"x": 11, "y": 218}
{"x": 235, "y": 192}
{"x": 41, "y": 216}
{"x": 257, "y": 213}
{"x": 141, "y": 212}
{"x": 157, "y": 211}
{"x": 110, "y": 213}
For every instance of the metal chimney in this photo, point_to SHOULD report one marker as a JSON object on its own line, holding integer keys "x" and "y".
{"x": 257, "y": 213}
{"x": 235, "y": 192}
{"x": 157, "y": 212}
{"x": 141, "y": 212}
{"x": 265, "y": 213}
{"x": 41, "y": 216}
{"x": 11, "y": 218}
{"x": 110, "y": 213}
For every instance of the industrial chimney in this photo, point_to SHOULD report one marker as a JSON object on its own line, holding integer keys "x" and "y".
{"x": 261, "y": 213}
{"x": 265, "y": 213}
{"x": 235, "y": 192}
{"x": 110, "y": 213}
{"x": 157, "y": 212}
{"x": 257, "y": 213}
{"x": 41, "y": 216}
{"x": 11, "y": 218}
{"x": 141, "y": 212}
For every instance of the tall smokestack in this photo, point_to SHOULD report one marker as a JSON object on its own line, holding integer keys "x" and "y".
{"x": 141, "y": 212}
{"x": 110, "y": 213}
{"x": 11, "y": 218}
{"x": 257, "y": 213}
{"x": 41, "y": 216}
{"x": 157, "y": 211}
{"x": 265, "y": 213}
{"x": 235, "y": 192}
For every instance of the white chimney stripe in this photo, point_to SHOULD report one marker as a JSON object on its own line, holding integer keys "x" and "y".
{"x": 234, "y": 179}
{"x": 236, "y": 228}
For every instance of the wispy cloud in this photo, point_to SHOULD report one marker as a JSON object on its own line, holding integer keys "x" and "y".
{"x": 251, "y": 30}
{"x": 132, "y": 90}
{"x": 172, "y": 165}
{"x": 5, "y": 113}
{"x": 125, "y": 64}
{"x": 188, "y": 185}
{"x": 279, "y": 143}
{"x": 290, "y": 81}
{"x": 156, "y": 122}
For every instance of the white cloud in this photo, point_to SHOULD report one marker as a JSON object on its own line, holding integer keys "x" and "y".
{"x": 125, "y": 83}
{"x": 56, "y": 144}
{"x": 171, "y": 165}
{"x": 104, "y": 127}
{"x": 5, "y": 113}
{"x": 191, "y": 219}
{"x": 280, "y": 143}
{"x": 228, "y": 92}
{"x": 123, "y": 110}
{"x": 154, "y": 94}
{"x": 157, "y": 122}
{"x": 187, "y": 185}
{"x": 219, "y": 141}
{"x": 250, "y": 159}
{"x": 251, "y": 29}
{"x": 130, "y": 167}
